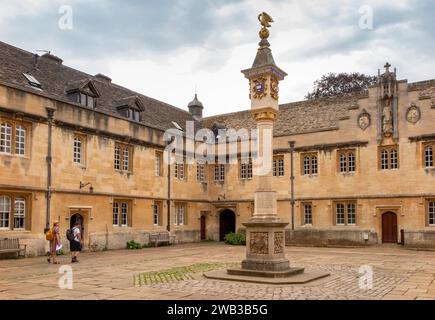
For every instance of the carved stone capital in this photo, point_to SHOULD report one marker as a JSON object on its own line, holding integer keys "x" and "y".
{"x": 264, "y": 114}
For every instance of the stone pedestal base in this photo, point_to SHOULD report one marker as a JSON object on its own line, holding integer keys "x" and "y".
{"x": 265, "y": 265}
{"x": 265, "y": 258}
{"x": 265, "y": 243}
{"x": 266, "y": 274}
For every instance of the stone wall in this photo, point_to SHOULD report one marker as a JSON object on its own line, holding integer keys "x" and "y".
{"x": 420, "y": 239}
{"x": 330, "y": 237}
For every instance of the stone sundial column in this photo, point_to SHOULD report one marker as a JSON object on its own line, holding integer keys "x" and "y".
{"x": 265, "y": 237}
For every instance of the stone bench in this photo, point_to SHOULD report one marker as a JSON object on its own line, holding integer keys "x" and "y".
{"x": 160, "y": 237}
{"x": 12, "y": 245}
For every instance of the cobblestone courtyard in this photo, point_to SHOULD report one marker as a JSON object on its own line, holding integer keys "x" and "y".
{"x": 397, "y": 274}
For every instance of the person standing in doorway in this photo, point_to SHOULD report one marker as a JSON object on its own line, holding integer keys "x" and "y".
{"x": 76, "y": 243}
{"x": 54, "y": 242}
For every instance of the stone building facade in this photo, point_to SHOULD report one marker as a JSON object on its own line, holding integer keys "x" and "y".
{"x": 76, "y": 146}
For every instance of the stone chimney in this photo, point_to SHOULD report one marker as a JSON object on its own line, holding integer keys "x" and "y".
{"x": 52, "y": 58}
{"x": 103, "y": 78}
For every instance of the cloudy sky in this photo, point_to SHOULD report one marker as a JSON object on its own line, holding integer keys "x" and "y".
{"x": 166, "y": 48}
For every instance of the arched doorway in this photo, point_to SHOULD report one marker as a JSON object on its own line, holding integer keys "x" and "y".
{"x": 389, "y": 227}
{"x": 227, "y": 223}
{"x": 77, "y": 217}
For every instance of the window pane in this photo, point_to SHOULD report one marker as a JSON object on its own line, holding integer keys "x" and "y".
{"x": 77, "y": 150}
{"x": 274, "y": 167}
{"x": 156, "y": 214}
{"x": 19, "y": 213}
{"x": 117, "y": 163}
{"x": 83, "y": 99}
{"x": 222, "y": 172}
{"x": 175, "y": 215}
{"x": 339, "y": 214}
{"x": 124, "y": 213}
{"x": 351, "y": 213}
{"x": 125, "y": 159}
{"x": 176, "y": 169}
{"x": 352, "y": 162}
{"x": 115, "y": 213}
{"x": 5, "y": 138}
{"x": 90, "y": 102}
{"x": 314, "y": 165}
{"x": 343, "y": 163}
{"x": 20, "y": 140}
{"x": 181, "y": 170}
{"x": 394, "y": 159}
{"x": 431, "y": 213}
{"x": 306, "y": 165}
{"x": 200, "y": 167}
{"x": 5, "y": 209}
{"x": 181, "y": 215}
{"x": 428, "y": 156}
{"x": 384, "y": 160}
{"x": 157, "y": 166}
{"x": 281, "y": 167}
{"x": 308, "y": 218}
{"x": 250, "y": 169}
{"x": 243, "y": 173}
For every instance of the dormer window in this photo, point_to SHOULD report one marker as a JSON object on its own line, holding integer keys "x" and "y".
{"x": 130, "y": 113}
{"x": 82, "y": 92}
{"x": 86, "y": 100}
{"x": 130, "y": 107}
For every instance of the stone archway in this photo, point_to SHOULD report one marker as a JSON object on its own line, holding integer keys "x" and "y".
{"x": 227, "y": 223}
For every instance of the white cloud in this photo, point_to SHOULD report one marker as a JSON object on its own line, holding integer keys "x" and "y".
{"x": 208, "y": 44}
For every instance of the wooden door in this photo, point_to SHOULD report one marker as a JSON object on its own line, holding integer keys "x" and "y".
{"x": 389, "y": 227}
{"x": 203, "y": 235}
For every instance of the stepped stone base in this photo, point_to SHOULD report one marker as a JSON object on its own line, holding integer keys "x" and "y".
{"x": 267, "y": 274}
{"x": 294, "y": 276}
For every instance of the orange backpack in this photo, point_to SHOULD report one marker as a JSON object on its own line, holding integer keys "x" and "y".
{"x": 49, "y": 235}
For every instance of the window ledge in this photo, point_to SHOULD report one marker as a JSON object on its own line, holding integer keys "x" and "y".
{"x": 13, "y": 155}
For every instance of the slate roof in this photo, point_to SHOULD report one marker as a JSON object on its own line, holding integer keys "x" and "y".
{"x": 293, "y": 118}
{"x": 57, "y": 78}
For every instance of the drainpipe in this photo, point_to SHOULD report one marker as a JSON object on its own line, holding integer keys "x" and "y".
{"x": 168, "y": 200}
{"x": 292, "y": 183}
{"x": 50, "y": 115}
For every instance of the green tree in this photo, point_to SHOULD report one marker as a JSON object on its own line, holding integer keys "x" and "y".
{"x": 334, "y": 84}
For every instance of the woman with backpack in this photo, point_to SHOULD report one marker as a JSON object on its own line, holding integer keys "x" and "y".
{"x": 53, "y": 236}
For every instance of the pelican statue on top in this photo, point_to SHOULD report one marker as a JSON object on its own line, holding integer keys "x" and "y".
{"x": 265, "y": 19}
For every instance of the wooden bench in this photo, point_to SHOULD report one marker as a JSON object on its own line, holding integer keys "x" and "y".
{"x": 12, "y": 245}
{"x": 160, "y": 237}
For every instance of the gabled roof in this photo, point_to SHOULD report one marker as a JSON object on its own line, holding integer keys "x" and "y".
{"x": 80, "y": 85}
{"x": 56, "y": 78}
{"x": 134, "y": 102}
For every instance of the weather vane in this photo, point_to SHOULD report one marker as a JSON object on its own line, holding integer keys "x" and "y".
{"x": 265, "y": 21}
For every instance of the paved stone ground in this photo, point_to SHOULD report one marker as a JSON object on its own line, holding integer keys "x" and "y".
{"x": 397, "y": 274}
